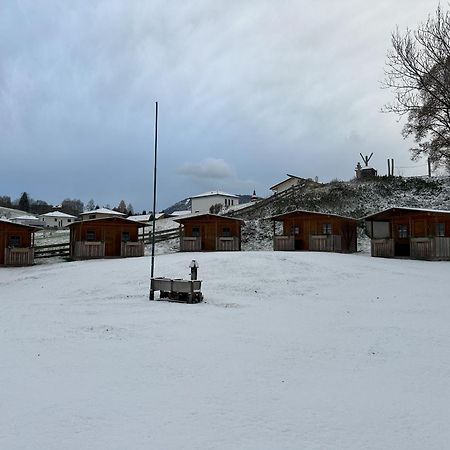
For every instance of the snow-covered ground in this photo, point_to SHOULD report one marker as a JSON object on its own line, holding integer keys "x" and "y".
{"x": 290, "y": 351}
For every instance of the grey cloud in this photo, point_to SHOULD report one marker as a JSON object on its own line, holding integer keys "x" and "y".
{"x": 210, "y": 168}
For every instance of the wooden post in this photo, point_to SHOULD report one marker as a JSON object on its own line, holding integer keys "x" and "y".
{"x": 389, "y": 167}
{"x": 392, "y": 166}
{"x": 429, "y": 167}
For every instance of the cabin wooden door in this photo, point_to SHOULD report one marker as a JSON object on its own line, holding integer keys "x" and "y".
{"x": 208, "y": 235}
{"x": 112, "y": 242}
{"x": 298, "y": 232}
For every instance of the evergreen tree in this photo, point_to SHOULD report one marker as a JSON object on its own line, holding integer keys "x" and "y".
{"x": 24, "y": 202}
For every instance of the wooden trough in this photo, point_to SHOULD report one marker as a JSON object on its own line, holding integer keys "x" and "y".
{"x": 178, "y": 290}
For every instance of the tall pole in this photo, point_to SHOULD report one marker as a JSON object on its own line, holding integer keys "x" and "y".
{"x": 152, "y": 270}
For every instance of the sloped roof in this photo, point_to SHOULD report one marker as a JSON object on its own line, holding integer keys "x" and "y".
{"x": 205, "y": 215}
{"x": 107, "y": 219}
{"x": 213, "y": 193}
{"x": 287, "y": 179}
{"x": 58, "y": 214}
{"x": 315, "y": 213}
{"x": 102, "y": 211}
{"x": 21, "y": 225}
{"x": 399, "y": 210}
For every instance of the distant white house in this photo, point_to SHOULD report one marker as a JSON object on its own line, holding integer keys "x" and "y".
{"x": 28, "y": 220}
{"x": 203, "y": 202}
{"x": 100, "y": 213}
{"x": 56, "y": 219}
{"x": 290, "y": 182}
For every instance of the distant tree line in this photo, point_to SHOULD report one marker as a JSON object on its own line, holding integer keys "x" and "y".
{"x": 69, "y": 206}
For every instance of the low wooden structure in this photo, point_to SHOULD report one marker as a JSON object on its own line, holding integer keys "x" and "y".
{"x": 177, "y": 290}
{"x": 209, "y": 232}
{"x": 315, "y": 231}
{"x": 109, "y": 237}
{"x": 16, "y": 244}
{"x": 410, "y": 232}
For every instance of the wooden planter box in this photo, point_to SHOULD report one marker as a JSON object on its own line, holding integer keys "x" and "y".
{"x": 325, "y": 243}
{"x": 283, "y": 243}
{"x": 132, "y": 249}
{"x": 190, "y": 244}
{"x": 89, "y": 250}
{"x": 19, "y": 256}
{"x": 225, "y": 244}
{"x": 382, "y": 247}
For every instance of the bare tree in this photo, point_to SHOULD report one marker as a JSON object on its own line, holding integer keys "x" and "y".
{"x": 418, "y": 72}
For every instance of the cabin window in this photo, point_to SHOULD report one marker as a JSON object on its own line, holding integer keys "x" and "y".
{"x": 92, "y": 216}
{"x": 402, "y": 231}
{"x": 226, "y": 232}
{"x": 232, "y": 202}
{"x": 56, "y": 220}
{"x": 125, "y": 236}
{"x": 440, "y": 229}
{"x": 14, "y": 241}
{"x": 196, "y": 232}
{"x": 296, "y": 229}
{"x": 90, "y": 235}
{"x": 327, "y": 228}
{"x": 69, "y": 220}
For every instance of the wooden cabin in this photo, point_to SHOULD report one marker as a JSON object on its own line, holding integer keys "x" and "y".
{"x": 314, "y": 231}
{"x": 109, "y": 237}
{"x": 16, "y": 244}
{"x": 209, "y": 232}
{"x": 410, "y": 232}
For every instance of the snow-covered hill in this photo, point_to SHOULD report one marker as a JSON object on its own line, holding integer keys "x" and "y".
{"x": 352, "y": 198}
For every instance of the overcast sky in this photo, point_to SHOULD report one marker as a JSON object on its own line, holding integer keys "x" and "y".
{"x": 248, "y": 91}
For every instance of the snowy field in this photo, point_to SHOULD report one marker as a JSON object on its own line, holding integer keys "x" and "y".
{"x": 296, "y": 351}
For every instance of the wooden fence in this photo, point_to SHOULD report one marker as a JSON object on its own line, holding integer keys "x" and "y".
{"x": 63, "y": 249}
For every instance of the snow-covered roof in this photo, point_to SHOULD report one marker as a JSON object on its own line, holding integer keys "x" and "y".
{"x": 105, "y": 219}
{"x": 284, "y": 181}
{"x": 102, "y": 211}
{"x": 390, "y": 211}
{"x": 198, "y": 215}
{"x": 25, "y": 218}
{"x": 317, "y": 213}
{"x": 10, "y": 222}
{"x": 58, "y": 214}
{"x": 214, "y": 193}
{"x": 145, "y": 217}
{"x": 180, "y": 213}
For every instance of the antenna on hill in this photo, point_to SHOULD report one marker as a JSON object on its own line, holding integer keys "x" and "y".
{"x": 366, "y": 159}
{"x": 152, "y": 270}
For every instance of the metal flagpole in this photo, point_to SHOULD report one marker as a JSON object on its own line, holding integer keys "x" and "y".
{"x": 152, "y": 271}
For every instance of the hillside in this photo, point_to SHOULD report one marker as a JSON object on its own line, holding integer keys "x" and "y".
{"x": 348, "y": 198}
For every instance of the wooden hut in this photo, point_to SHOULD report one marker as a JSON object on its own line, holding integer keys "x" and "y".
{"x": 109, "y": 237}
{"x": 314, "y": 231}
{"x": 16, "y": 244}
{"x": 410, "y": 232}
{"x": 209, "y": 232}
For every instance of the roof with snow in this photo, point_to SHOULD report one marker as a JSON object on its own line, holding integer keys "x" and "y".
{"x": 58, "y": 214}
{"x": 103, "y": 211}
{"x": 21, "y": 225}
{"x": 205, "y": 216}
{"x": 400, "y": 210}
{"x": 116, "y": 219}
{"x": 315, "y": 213}
{"x": 146, "y": 217}
{"x": 184, "y": 212}
{"x": 25, "y": 218}
{"x": 214, "y": 193}
{"x": 287, "y": 179}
